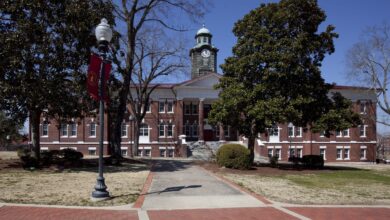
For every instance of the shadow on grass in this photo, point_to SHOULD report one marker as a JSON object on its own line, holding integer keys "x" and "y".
{"x": 300, "y": 167}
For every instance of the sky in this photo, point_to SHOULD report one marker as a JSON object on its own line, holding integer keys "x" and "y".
{"x": 350, "y": 17}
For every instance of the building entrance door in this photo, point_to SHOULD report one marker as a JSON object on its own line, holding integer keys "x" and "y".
{"x": 208, "y": 135}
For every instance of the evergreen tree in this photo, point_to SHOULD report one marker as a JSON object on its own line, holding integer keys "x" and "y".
{"x": 274, "y": 74}
{"x": 45, "y": 50}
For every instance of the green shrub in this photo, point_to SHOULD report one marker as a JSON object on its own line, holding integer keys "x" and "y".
{"x": 71, "y": 155}
{"x": 234, "y": 156}
{"x": 27, "y": 160}
{"x": 46, "y": 157}
{"x": 313, "y": 161}
{"x": 274, "y": 161}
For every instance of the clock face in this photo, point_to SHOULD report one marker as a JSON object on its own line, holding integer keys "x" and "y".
{"x": 205, "y": 53}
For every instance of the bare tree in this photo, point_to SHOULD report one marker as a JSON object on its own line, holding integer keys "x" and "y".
{"x": 139, "y": 61}
{"x": 369, "y": 63}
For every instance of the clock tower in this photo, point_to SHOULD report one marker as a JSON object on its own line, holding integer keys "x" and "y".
{"x": 203, "y": 54}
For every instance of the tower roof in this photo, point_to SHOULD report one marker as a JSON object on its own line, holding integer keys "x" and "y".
{"x": 203, "y": 30}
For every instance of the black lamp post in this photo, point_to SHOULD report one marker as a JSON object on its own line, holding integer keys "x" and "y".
{"x": 131, "y": 119}
{"x": 103, "y": 34}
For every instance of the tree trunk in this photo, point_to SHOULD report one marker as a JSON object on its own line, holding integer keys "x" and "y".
{"x": 35, "y": 138}
{"x": 251, "y": 147}
{"x": 136, "y": 137}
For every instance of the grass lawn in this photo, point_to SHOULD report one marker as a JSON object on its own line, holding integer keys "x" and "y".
{"x": 345, "y": 186}
{"x": 69, "y": 186}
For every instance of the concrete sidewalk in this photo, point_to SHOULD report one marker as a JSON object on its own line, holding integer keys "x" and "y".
{"x": 180, "y": 185}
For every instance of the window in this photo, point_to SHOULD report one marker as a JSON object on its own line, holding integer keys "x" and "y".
{"x": 144, "y": 130}
{"x": 291, "y": 152}
{"x": 44, "y": 149}
{"x": 194, "y": 109}
{"x": 187, "y": 109}
{"x": 198, "y": 40}
{"x": 170, "y": 106}
{"x": 362, "y": 130}
{"x": 194, "y": 130}
{"x": 226, "y": 131}
{"x": 148, "y": 107}
{"x": 298, "y": 131}
{"x": 124, "y": 130}
{"x": 346, "y": 133}
{"x": 64, "y": 130}
{"x": 140, "y": 152}
{"x": 322, "y": 134}
{"x": 124, "y": 152}
{"x": 346, "y": 154}
{"x": 274, "y": 131}
{"x": 363, "y": 152}
{"x": 363, "y": 107}
{"x": 162, "y": 152}
{"x": 161, "y": 106}
{"x": 169, "y": 130}
{"x": 270, "y": 152}
{"x": 278, "y": 153}
{"x": 147, "y": 152}
{"x": 92, "y": 151}
{"x": 339, "y": 154}
{"x": 161, "y": 130}
{"x": 45, "y": 129}
{"x": 171, "y": 152}
{"x": 299, "y": 153}
{"x": 92, "y": 129}
{"x": 291, "y": 131}
{"x": 343, "y": 133}
{"x": 73, "y": 129}
{"x": 204, "y": 40}
{"x": 323, "y": 153}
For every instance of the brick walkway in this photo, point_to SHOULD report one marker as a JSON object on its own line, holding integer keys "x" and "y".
{"x": 35, "y": 213}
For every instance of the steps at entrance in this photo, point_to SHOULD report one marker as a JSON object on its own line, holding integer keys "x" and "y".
{"x": 203, "y": 151}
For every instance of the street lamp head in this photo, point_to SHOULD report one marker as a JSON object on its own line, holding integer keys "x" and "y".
{"x": 131, "y": 117}
{"x": 103, "y": 31}
{"x": 290, "y": 125}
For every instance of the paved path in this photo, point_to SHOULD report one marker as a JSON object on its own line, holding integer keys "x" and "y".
{"x": 179, "y": 190}
{"x": 180, "y": 185}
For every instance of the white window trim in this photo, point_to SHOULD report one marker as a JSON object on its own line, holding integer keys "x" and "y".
{"x": 323, "y": 148}
{"x": 89, "y": 131}
{"x": 127, "y": 131}
{"x": 349, "y": 153}
{"x": 321, "y": 134}
{"x": 365, "y": 152}
{"x": 73, "y": 136}
{"x": 341, "y": 154}
{"x": 173, "y": 107}
{"x": 347, "y": 133}
{"x": 173, "y": 131}
{"x": 293, "y": 131}
{"x": 300, "y": 132}
{"x": 67, "y": 131}
{"x": 364, "y": 131}
{"x": 280, "y": 151}
{"x": 164, "y": 109}
{"x": 364, "y": 109}
{"x": 160, "y": 130}
{"x": 47, "y": 135}
{"x": 300, "y": 152}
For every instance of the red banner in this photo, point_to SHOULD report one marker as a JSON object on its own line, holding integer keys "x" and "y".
{"x": 93, "y": 77}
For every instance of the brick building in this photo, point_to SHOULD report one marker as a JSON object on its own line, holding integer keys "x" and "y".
{"x": 179, "y": 111}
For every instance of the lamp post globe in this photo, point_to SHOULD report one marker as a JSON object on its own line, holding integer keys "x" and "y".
{"x": 103, "y": 35}
{"x": 103, "y": 31}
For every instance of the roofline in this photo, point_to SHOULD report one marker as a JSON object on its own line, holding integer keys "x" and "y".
{"x": 345, "y": 87}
